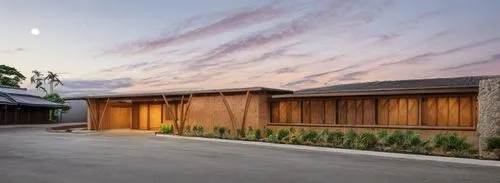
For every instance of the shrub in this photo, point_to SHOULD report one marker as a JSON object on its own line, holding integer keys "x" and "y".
{"x": 187, "y": 129}
{"x": 240, "y": 133}
{"x": 350, "y": 139}
{"x": 336, "y": 138}
{"x": 221, "y": 133}
{"x": 273, "y": 138}
{"x": 216, "y": 129}
{"x": 258, "y": 134}
{"x": 268, "y": 131}
{"x": 493, "y": 143}
{"x": 198, "y": 130}
{"x": 166, "y": 129}
{"x": 209, "y": 135}
{"x": 323, "y": 136}
{"x": 310, "y": 136}
{"x": 451, "y": 142}
{"x": 251, "y": 135}
{"x": 396, "y": 139}
{"x": 366, "y": 140}
{"x": 282, "y": 133}
{"x": 292, "y": 130}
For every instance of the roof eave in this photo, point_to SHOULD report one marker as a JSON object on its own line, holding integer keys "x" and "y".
{"x": 413, "y": 91}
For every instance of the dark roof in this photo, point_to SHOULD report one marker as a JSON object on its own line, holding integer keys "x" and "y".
{"x": 176, "y": 93}
{"x": 22, "y": 97}
{"x": 472, "y": 81}
{"x": 414, "y": 86}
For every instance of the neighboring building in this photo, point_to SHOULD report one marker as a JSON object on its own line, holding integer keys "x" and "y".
{"x": 18, "y": 106}
{"x": 429, "y": 106}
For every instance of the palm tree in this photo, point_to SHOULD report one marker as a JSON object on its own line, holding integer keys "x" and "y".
{"x": 53, "y": 80}
{"x": 38, "y": 80}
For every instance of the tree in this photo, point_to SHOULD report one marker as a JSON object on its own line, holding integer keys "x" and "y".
{"x": 10, "y": 76}
{"x": 54, "y": 97}
{"x": 53, "y": 80}
{"x": 38, "y": 80}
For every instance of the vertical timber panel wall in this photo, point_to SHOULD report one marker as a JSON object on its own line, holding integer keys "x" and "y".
{"x": 440, "y": 111}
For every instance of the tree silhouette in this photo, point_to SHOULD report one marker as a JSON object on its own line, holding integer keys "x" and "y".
{"x": 53, "y": 80}
{"x": 10, "y": 76}
{"x": 38, "y": 80}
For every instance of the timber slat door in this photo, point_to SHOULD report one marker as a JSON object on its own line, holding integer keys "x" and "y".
{"x": 143, "y": 117}
{"x": 120, "y": 117}
{"x": 154, "y": 116}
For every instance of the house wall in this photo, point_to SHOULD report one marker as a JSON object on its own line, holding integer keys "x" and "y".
{"x": 426, "y": 114}
{"x": 13, "y": 115}
{"x": 207, "y": 110}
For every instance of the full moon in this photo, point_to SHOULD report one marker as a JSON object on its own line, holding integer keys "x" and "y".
{"x": 35, "y": 31}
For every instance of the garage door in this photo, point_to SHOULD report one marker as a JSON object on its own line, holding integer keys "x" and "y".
{"x": 120, "y": 117}
{"x": 154, "y": 116}
{"x": 143, "y": 116}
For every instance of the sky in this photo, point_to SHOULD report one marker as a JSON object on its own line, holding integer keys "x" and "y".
{"x": 131, "y": 46}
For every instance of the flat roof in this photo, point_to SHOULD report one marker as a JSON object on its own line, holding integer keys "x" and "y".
{"x": 186, "y": 92}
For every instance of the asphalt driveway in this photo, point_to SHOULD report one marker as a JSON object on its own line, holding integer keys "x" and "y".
{"x": 33, "y": 155}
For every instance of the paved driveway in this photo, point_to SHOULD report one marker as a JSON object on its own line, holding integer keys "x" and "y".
{"x": 33, "y": 155}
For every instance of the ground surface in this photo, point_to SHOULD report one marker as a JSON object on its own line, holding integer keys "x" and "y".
{"x": 33, "y": 155}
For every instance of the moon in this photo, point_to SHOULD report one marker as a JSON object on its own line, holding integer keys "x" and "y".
{"x": 35, "y": 31}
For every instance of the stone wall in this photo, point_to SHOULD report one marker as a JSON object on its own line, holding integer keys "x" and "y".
{"x": 489, "y": 112}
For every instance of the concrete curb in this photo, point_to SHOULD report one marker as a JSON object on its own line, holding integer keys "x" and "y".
{"x": 348, "y": 151}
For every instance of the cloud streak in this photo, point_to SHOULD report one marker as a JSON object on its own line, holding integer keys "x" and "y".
{"x": 241, "y": 18}
{"x": 422, "y": 57}
{"x": 494, "y": 58}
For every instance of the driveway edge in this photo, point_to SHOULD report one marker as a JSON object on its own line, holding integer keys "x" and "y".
{"x": 348, "y": 151}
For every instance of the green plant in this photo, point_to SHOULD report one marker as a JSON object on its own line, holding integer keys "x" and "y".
{"x": 310, "y": 136}
{"x": 166, "y": 129}
{"x": 366, "y": 140}
{"x": 187, "y": 129}
{"x": 350, "y": 139}
{"x": 240, "y": 133}
{"x": 451, "y": 142}
{"x": 251, "y": 135}
{"x": 10, "y": 76}
{"x": 282, "y": 133}
{"x": 209, "y": 135}
{"x": 292, "y": 130}
{"x": 335, "y": 138}
{"x": 273, "y": 138}
{"x": 268, "y": 131}
{"x": 221, "y": 133}
{"x": 198, "y": 130}
{"x": 258, "y": 134}
{"x": 493, "y": 143}
{"x": 395, "y": 139}
{"x": 323, "y": 136}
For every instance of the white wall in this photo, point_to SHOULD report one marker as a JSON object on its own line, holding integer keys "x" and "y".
{"x": 77, "y": 113}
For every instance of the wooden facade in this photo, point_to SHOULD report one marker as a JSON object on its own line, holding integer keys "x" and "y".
{"x": 457, "y": 111}
{"x": 15, "y": 115}
{"x": 233, "y": 110}
{"x": 427, "y": 115}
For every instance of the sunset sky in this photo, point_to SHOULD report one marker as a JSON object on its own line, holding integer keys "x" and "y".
{"x": 121, "y": 46}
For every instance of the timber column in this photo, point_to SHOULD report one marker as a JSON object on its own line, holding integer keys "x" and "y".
{"x": 489, "y": 112}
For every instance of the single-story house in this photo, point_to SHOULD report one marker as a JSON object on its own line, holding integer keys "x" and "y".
{"x": 429, "y": 106}
{"x": 18, "y": 106}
